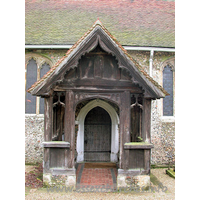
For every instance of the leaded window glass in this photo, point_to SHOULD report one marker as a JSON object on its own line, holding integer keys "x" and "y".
{"x": 168, "y": 86}
{"x": 31, "y": 78}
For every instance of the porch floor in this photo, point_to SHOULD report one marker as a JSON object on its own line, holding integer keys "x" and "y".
{"x": 94, "y": 177}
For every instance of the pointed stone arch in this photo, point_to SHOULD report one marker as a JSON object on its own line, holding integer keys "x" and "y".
{"x": 114, "y": 128}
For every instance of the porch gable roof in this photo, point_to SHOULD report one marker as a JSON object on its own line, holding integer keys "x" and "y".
{"x": 99, "y": 32}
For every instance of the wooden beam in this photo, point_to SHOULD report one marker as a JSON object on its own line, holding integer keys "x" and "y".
{"x": 48, "y": 121}
{"x": 56, "y": 144}
{"x": 46, "y": 160}
{"x": 124, "y": 128}
{"x": 147, "y": 158}
{"x": 146, "y": 120}
{"x": 69, "y": 127}
{"x": 138, "y": 145}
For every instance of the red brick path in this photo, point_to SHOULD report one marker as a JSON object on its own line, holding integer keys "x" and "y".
{"x": 96, "y": 177}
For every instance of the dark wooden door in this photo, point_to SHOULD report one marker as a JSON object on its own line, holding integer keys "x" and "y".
{"x": 97, "y": 136}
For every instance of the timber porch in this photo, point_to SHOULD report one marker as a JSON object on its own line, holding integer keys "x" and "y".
{"x": 97, "y": 108}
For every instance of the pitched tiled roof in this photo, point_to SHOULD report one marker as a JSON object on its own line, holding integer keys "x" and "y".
{"x": 97, "y": 23}
{"x": 132, "y": 22}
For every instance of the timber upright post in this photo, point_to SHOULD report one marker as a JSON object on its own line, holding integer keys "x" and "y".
{"x": 69, "y": 132}
{"x": 146, "y": 132}
{"x": 134, "y": 156}
{"x": 69, "y": 128}
{"x": 48, "y": 110}
{"x": 124, "y": 128}
{"x": 58, "y": 161}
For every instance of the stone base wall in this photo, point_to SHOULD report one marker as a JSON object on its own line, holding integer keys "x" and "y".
{"x": 140, "y": 181}
{"x": 50, "y": 180}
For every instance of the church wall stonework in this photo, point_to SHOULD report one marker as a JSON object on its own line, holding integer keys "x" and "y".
{"x": 34, "y": 136}
{"x": 162, "y": 129}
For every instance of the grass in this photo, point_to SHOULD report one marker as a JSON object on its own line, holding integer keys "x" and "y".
{"x": 171, "y": 173}
{"x": 160, "y": 166}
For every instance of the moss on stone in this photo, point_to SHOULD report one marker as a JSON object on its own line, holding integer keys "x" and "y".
{"x": 138, "y": 143}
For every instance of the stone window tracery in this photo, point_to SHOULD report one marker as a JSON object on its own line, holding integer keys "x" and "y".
{"x": 36, "y": 66}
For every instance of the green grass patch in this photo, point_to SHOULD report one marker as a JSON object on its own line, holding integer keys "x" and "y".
{"x": 171, "y": 173}
{"x": 161, "y": 166}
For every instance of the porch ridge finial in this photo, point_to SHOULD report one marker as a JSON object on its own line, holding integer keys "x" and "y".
{"x": 98, "y": 22}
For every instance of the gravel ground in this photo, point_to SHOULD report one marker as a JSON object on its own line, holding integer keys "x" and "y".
{"x": 167, "y": 181}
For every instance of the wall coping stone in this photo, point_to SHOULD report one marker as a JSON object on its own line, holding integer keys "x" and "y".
{"x": 138, "y": 145}
{"x": 58, "y": 144}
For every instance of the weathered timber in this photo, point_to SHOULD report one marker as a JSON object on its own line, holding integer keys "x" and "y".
{"x": 136, "y": 159}
{"x": 69, "y": 127}
{"x": 101, "y": 83}
{"x": 97, "y": 69}
{"x": 46, "y": 160}
{"x": 138, "y": 145}
{"x": 139, "y": 154}
{"x": 97, "y": 135}
{"x": 48, "y": 121}
{"x": 125, "y": 122}
{"x": 57, "y": 157}
{"x": 132, "y": 172}
{"x": 58, "y": 144}
{"x": 98, "y": 66}
{"x": 111, "y": 96}
{"x": 147, "y": 158}
{"x": 58, "y": 118}
{"x": 146, "y": 120}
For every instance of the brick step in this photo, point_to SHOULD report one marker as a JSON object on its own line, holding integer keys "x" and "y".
{"x": 96, "y": 179}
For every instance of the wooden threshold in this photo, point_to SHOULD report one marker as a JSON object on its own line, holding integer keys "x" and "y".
{"x": 100, "y": 165}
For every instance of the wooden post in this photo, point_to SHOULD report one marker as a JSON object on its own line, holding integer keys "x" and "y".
{"x": 69, "y": 127}
{"x": 48, "y": 122}
{"x": 48, "y": 128}
{"x": 46, "y": 160}
{"x": 146, "y": 120}
{"x": 147, "y": 158}
{"x": 125, "y": 122}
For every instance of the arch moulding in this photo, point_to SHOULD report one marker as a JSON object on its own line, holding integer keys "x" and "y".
{"x": 114, "y": 129}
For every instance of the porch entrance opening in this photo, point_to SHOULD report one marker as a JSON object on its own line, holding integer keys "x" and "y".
{"x": 97, "y": 136}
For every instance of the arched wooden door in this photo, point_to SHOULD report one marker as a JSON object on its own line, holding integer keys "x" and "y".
{"x": 97, "y": 136}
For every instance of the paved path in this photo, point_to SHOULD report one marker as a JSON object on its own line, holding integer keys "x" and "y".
{"x": 96, "y": 178}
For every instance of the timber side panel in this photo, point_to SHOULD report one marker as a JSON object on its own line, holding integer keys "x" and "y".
{"x": 57, "y": 158}
{"x": 136, "y": 159}
{"x": 146, "y": 120}
{"x": 46, "y": 160}
{"x": 147, "y": 158}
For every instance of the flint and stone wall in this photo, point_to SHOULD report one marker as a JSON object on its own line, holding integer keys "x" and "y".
{"x": 162, "y": 128}
{"x": 34, "y": 136}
